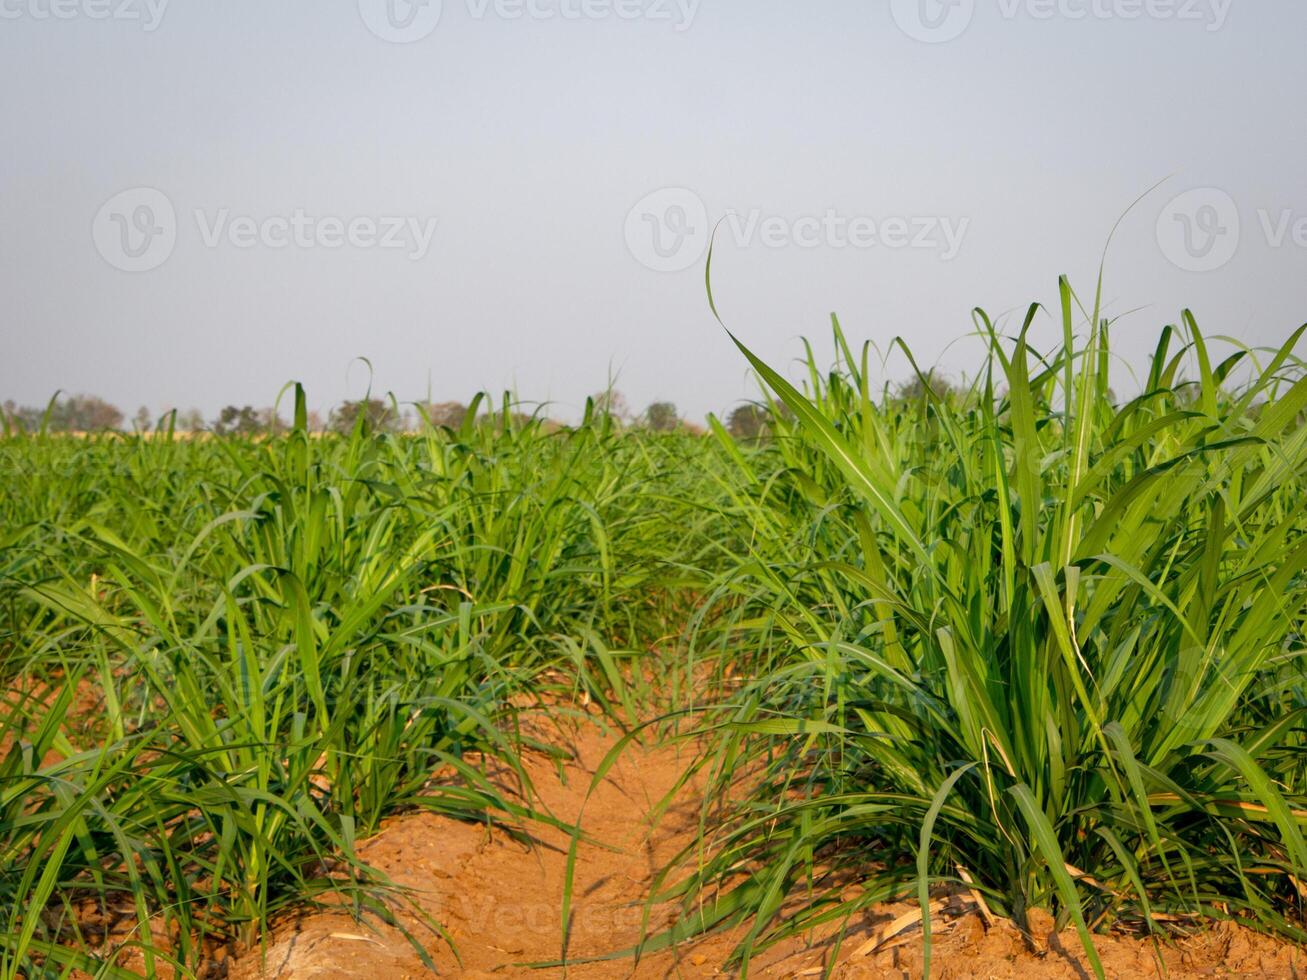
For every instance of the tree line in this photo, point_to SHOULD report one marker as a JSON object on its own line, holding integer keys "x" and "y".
{"x": 89, "y": 414}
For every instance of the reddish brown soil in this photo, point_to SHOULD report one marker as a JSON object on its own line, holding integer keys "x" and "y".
{"x": 32, "y": 697}
{"x": 500, "y": 902}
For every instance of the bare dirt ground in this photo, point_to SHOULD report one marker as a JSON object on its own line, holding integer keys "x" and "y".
{"x": 29, "y": 695}
{"x": 500, "y": 901}
{"x": 501, "y": 904}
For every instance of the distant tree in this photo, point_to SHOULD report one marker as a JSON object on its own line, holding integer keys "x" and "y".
{"x": 85, "y": 413}
{"x": 10, "y": 422}
{"x": 141, "y": 422}
{"x": 21, "y": 418}
{"x": 233, "y": 421}
{"x": 915, "y": 389}
{"x": 662, "y": 417}
{"x": 378, "y": 416}
{"x": 191, "y": 420}
{"x": 248, "y": 421}
{"x": 315, "y": 421}
{"x": 81, "y": 413}
{"x": 448, "y": 414}
{"x": 611, "y": 402}
{"x": 747, "y": 421}
{"x": 271, "y": 423}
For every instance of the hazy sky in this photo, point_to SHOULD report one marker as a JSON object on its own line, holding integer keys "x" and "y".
{"x": 202, "y": 201}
